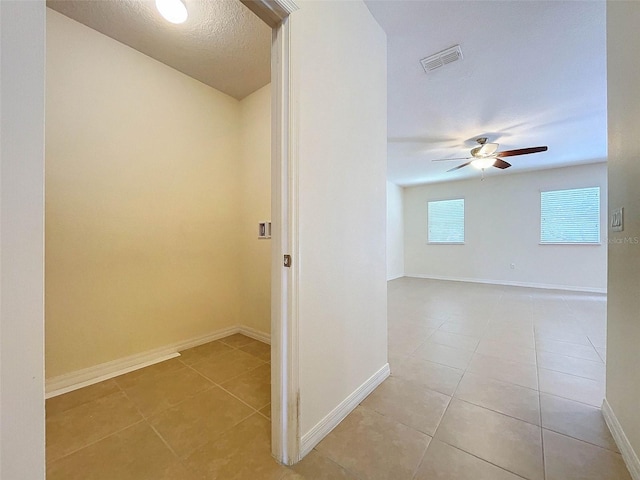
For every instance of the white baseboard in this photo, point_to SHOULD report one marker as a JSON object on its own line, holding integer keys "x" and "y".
{"x": 508, "y": 283}
{"x": 395, "y": 277}
{"x": 630, "y": 457}
{"x": 255, "y": 334}
{"x": 331, "y": 421}
{"x": 88, "y": 376}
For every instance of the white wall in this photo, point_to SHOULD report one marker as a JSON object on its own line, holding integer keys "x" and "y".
{"x": 395, "y": 231}
{"x": 623, "y": 328}
{"x": 338, "y": 60}
{"x": 502, "y": 226}
{"x": 22, "y": 51}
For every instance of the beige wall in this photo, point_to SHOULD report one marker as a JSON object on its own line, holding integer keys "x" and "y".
{"x": 623, "y": 331}
{"x": 144, "y": 209}
{"x": 22, "y": 51}
{"x": 255, "y": 185}
{"x": 340, "y": 136}
{"x": 502, "y": 226}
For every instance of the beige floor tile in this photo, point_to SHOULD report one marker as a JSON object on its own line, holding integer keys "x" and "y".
{"x": 395, "y": 360}
{"x": 507, "y": 351}
{"x": 258, "y": 349}
{"x": 598, "y": 341}
{"x": 237, "y": 340}
{"x": 572, "y": 365}
{"x": 471, "y": 320}
{"x": 507, "y": 398}
{"x": 80, "y": 396}
{"x": 511, "y": 444}
{"x": 203, "y": 352}
{"x": 318, "y": 467}
{"x": 136, "y": 453}
{"x": 434, "y": 376}
{"x": 569, "y": 386}
{"x": 569, "y": 459}
{"x": 444, "y": 462}
{"x": 199, "y": 420}
{"x": 562, "y": 335}
{"x": 513, "y": 339}
{"x": 409, "y": 403}
{"x": 72, "y": 429}
{"x": 504, "y": 370}
{"x": 472, "y": 330}
{"x": 375, "y": 447}
{"x": 444, "y": 355}
{"x": 253, "y": 387}
{"x": 266, "y": 411}
{"x": 149, "y": 374}
{"x": 242, "y": 453}
{"x": 166, "y": 390}
{"x": 228, "y": 365}
{"x": 455, "y": 340}
{"x": 576, "y": 420}
{"x": 406, "y": 341}
{"x": 586, "y": 352}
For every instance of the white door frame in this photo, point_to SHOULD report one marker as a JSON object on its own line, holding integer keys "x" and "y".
{"x": 285, "y": 434}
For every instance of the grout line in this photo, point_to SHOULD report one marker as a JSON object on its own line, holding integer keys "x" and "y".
{"x": 96, "y": 441}
{"x": 581, "y": 440}
{"x": 484, "y": 460}
{"x": 163, "y": 440}
{"x": 544, "y": 465}
{"x": 227, "y": 391}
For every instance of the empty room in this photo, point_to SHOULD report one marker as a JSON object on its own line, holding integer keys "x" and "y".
{"x": 158, "y": 253}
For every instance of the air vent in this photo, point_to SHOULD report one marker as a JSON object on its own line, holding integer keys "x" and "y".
{"x": 440, "y": 59}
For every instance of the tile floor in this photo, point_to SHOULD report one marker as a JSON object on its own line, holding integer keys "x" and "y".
{"x": 488, "y": 383}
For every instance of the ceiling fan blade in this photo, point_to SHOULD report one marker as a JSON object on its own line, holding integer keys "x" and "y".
{"x": 459, "y": 166}
{"x": 501, "y": 164}
{"x": 521, "y": 151}
{"x": 447, "y": 159}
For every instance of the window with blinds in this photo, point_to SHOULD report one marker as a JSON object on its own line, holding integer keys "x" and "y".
{"x": 445, "y": 221}
{"x": 570, "y": 216}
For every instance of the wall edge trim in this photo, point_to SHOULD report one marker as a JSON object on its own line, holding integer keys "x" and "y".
{"x": 310, "y": 439}
{"x": 543, "y": 286}
{"x": 71, "y": 381}
{"x": 395, "y": 277}
{"x": 628, "y": 455}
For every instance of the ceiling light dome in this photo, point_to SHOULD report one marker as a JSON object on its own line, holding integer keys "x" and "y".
{"x": 174, "y": 11}
{"x": 482, "y": 163}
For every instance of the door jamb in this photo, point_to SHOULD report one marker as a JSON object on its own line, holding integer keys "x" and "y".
{"x": 285, "y": 434}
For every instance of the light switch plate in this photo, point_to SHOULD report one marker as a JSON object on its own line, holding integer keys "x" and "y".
{"x": 617, "y": 220}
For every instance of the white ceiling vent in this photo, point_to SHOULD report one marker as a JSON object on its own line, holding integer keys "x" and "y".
{"x": 440, "y": 59}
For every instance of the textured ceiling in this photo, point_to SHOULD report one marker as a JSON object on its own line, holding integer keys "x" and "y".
{"x": 533, "y": 73}
{"x": 222, "y": 43}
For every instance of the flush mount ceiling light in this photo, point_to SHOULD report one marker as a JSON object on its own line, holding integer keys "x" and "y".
{"x": 174, "y": 11}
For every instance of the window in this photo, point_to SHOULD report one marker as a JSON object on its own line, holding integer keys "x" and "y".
{"x": 445, "y": 221}
{"x": 570, "y": 216}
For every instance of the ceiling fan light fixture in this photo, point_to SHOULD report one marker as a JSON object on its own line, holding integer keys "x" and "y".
{"x": 487, "y": 149}
{"x": 482, "y": 163}
{"x": 174, "y": 11}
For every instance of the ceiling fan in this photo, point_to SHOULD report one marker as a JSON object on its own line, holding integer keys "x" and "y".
{"x": 486, "y": 155}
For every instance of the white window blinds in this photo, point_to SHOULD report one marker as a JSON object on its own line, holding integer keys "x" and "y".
{"x": 445, "y": 221}
{"x": 570, "y": 216}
